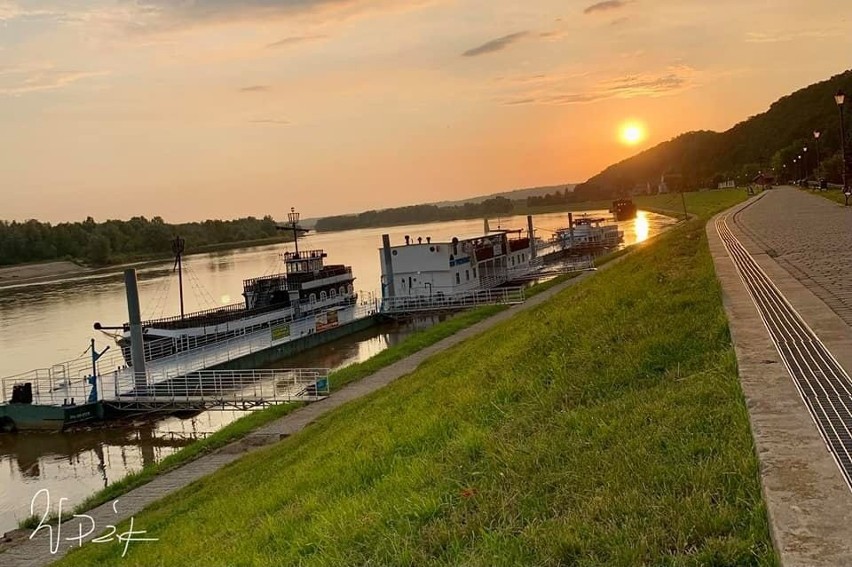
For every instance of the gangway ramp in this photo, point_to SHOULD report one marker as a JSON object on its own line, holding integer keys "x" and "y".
{"x": 226, "y": 389}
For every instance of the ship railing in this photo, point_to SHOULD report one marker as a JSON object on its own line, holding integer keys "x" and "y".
{"x": 160, "y": 348}
{"x": 235, "y": 388}
{"x": 220, "y": 352}
{"x": 462, "y": 300}
{"x": 67, "y": 382}
{"x": 64, "y": 383}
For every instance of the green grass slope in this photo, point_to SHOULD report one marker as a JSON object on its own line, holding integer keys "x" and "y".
{"x": 604, "y": 427}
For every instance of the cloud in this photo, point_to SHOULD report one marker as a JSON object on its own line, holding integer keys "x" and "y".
{"x": 270, "y": 121}
{"x": 25, "y": 79}
{"x": 495, "y": 44}
{"x": 779, "y": 37}
{"x": 296, "y": 39}
{"x": 606, "y": 5}
{"x": 256, "y": 89}
{"x": 174, "y": 15}
{"x": 549, "y": 89}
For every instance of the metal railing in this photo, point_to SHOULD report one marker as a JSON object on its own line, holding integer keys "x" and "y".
{"x": 208, "y": 389}
{"x": 462, "y": 300}
{"x": 61, "y": 383}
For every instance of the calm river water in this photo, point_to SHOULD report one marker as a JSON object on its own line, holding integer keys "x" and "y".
{"x": 44, "y": 324}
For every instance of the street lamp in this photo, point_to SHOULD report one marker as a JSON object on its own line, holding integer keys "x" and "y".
{"x": 816, "y": 141}
{"x": 840, "y": 99}
{"x": 293, "y": 217}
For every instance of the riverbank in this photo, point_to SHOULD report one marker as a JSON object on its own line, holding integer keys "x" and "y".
{"x": 251, "y": 422}
{"x": 605, "y": 425}
{"x": 58, "y": 271}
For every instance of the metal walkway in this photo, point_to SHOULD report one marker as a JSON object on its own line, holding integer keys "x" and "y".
{"x": 824, "y": 385}
{"x": 227, "y": 389}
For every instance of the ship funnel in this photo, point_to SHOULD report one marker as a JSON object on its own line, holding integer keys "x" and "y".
{"x": 486, "y": 228}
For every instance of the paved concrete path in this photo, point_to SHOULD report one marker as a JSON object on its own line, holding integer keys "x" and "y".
{"x": 37, "y": 551}
{"x": 808, "y": 500}
{"x": 811, "y": 238}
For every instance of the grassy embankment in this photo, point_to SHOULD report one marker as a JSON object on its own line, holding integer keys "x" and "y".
{"x": 604, "y": 427}
{"x": 835, "y": 195}
{"x": 241, "y": 427}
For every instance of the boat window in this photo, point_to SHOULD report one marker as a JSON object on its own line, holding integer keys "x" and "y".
{"x": 458, "y": 278}
{"x": 467, "y": 275}
{"x": 313, "y": 298}
{"x": 323, "y": 296}
{"x": 474, "y": 272}
{"x": 342, "y": 290}
{"x": 333, "y": 293}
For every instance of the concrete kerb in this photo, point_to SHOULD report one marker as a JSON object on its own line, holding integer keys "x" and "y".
{"x": 808, "y": 502}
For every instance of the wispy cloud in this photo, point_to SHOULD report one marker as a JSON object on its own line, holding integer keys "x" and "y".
{"x": 786, "y": 36}
{"x": 294, "y": 40}
{"x": 497, "y": 44}
{"x": 605, "y": 6}
{"x": 270, "y": 121}
{"x": 27, "y": 79}
{"x": 159, "y": 16}
{"x": 256, "y": 89}
{"x": 549, "y": 89}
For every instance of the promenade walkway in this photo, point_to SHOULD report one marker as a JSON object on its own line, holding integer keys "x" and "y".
{"x": 37, "y": 551}
{"x": 783, "y": 260}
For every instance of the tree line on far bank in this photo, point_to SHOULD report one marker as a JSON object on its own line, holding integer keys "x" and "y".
{"x": 416, "y": 214}
{"x": 115, "y": 241}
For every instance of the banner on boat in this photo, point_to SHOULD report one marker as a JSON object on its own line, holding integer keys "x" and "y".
{"x": 280, "y": 332}
{"x": 326, "y": 320}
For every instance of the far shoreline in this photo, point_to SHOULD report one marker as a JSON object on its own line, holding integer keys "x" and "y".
{"x": 57, "y": 271}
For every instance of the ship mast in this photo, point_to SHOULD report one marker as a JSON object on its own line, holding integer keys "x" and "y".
{"x": 178, "y": 245}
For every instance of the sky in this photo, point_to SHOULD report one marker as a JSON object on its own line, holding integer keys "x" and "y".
{"x": 195, "y": 109}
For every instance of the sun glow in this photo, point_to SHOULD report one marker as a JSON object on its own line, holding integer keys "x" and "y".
{"x": 642, "y": 226}
{"x": 632, "y": 133}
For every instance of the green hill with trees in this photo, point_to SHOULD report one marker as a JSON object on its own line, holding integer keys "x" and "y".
{"x": 767, "y": 142}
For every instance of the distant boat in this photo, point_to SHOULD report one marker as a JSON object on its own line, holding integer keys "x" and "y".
{"x": 587, "y": 234}
{"x": 623, "y": 210}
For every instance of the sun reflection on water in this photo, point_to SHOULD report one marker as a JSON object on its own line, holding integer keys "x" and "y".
{"x": 642, "y": 226}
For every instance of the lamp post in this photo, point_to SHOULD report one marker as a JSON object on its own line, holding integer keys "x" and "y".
{"x": 805, "y": 163}
{"x": 795, "y": 171}
{"x": 840, "y": 99}
{"x": 816, "y": 143}
{"x": 293, "y": 217}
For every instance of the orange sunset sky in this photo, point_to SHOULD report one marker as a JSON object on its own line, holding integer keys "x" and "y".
{"x": 194, "y": 109}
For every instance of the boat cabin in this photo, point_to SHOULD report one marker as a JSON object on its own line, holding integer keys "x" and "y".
{"x": 463, "y": 264}
{"x": 306, "y": 279}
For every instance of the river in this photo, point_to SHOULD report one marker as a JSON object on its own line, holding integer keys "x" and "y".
{"x": 49, "y": 323}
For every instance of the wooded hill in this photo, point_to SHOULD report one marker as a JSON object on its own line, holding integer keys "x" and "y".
{"x": 763, "y": 142}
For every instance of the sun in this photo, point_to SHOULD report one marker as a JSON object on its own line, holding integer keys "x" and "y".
{"x": 632, "y": 133}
